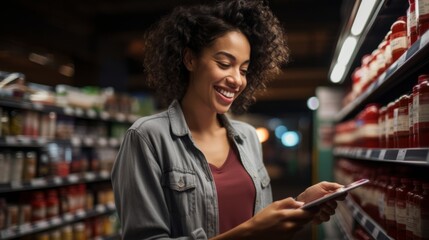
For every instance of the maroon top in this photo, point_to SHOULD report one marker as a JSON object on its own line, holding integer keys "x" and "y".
{"x": 235, "y": 192}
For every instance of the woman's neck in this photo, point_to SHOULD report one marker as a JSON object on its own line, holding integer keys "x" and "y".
{"x": 200, "y": 119}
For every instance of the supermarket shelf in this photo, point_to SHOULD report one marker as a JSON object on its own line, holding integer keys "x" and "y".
{"x": 68, "y": 111}
{"x": 42, "y": 183}
{"x": 413, "y": 156}
{"x": 68, "y": 218}
{"x": 37, "y": 142}
{"x": 366, "y": 221}
{"x": 413, "y": 58}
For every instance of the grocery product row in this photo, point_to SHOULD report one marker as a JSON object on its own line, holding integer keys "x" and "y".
{"x": 402, "y": 123}
{"x": 395, "y": 202}
{"x": 86, "y": 101}
{"x": 402, "y": 35}
{"x": 55, "y": 164}
{"x": 30, "y": 212}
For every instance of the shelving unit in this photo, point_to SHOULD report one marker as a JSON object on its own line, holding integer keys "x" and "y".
{"x": 14, "y": 190}
{"x": 397, "y": 80}
{"x": 55, "y": 222}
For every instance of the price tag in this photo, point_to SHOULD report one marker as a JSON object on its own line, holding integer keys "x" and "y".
{"x": 100, "y": 208}
{"x": 104, "y": 174}
{"x": 80, "y": 213}
{"x": 88, "y": 141}
{"x": 76, "y": 141}
{"x": 57, "y": 180}
{"x": 24, "y": 228}
{"x": 16, "y": 185}
{"x": 42, "y": 224}
{"x": 11, "y": 140}
{"x": 424, "y": 40}
{"x": 382, "y": 154}
{"x": 69, "y": 111}
{"x": 38, "y": 182}
{"x": 56, "y": 221}
{"x": 42, "y": 141}
{"x": 91, "y": 113}
{"x": 120, "y": 117}
{"x": 368, "y": 153}
{"x": 89, "y": 176}
{"x": 102, "y": 142}
{"x": 111, "y": 206}
{"x": 79, "y": 112}
{"x": 73, "y": 178}
{"x": 68, "y": 217}
{"x": 38, "y": 106}
{"x": 113, "y": 142}
{"x": 104, "y": 115}
{"x": 24, "y": 140}
{"x": 401, "y": 154}
{"x": 381, "y": 79}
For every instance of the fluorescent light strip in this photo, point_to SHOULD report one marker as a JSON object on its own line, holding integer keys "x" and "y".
{"x": 337, "y": 73}
{"x": 364, "y": 11}
{"x": 347, "y": 50}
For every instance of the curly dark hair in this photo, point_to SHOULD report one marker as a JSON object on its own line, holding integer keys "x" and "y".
{"x": 196, "y": 27}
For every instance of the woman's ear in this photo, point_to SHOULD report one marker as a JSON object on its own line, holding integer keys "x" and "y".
{"x": 188, "y": 59}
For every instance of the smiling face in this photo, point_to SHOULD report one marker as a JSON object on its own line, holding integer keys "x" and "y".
{"x": 218, "y": 75}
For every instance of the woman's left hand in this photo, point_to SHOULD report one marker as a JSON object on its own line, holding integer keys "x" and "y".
{"x": 316, "y": 191}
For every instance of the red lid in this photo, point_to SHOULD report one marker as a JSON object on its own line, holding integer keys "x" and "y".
{"x": 423, "y": 77}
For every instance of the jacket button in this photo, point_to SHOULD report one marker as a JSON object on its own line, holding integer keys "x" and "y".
{"x": 181, "y": 184}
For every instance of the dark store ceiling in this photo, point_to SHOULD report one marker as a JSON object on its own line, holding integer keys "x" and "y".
{"x": 101, "y": 38}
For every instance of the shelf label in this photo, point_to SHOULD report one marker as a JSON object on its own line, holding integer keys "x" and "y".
{"x": 56, "y": 221}
{"x": 88, "y": 141}
{"x": 42, "y": 224}
{"x": 79, "y": 112}
{"x": 38, "y": 106}
{"x": 104, "y": 115}
{"x": 68, "y": 111}
{"x": 104, "y": 174}
{"x": 57, "y": 180}
{"x": 16, "y": 185}
{"x": 76, "y": 141}
{"x": 68, "y": 217}
{"x": 25, "y": 228}
{"x": 91, "y": 113}
{"x": 424, "y": 40}
{"x": 401, "y": 154}
{"x": 80, "y": 213}
{"x": 382, "y": 154}
{"x": 38, "y": 182}
{"x": 73, "y": 178}
{"x": 10, "y": 140}
{"x": 401, "y": 59}
{"x": 89, "y": 176}
{"x": 102, "y": 142}
{"x": 100, "y": 208}
{"x": 111, "y": 206}
{"x": 120, "y": 117}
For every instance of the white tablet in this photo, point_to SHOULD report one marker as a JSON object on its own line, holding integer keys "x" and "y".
{"x": 335, "y": 194}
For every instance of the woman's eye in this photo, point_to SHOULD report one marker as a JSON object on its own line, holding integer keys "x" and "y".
{"x": 223, "y": 65}
{"x": 243, "y": 72}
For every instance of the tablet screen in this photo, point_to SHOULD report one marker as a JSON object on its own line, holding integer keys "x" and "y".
{"x": 335, "y": 194}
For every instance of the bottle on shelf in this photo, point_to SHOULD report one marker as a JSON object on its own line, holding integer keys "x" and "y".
{"x": 398, "y": 39}
{"x": 401, "y": 121}
{"x": 390, "y": 206}
{"x": 411, "y": 22}
{"x": 402, "y": 190}
{"x": 411, "y": 208}
{"x": 422, "y": 16}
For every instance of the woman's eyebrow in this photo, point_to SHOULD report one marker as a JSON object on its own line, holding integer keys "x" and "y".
{"x": 229, "y": 55}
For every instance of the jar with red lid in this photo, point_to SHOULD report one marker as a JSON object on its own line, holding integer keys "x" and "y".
{"x": 411, "y": 208}
{"x": 398, "y": 39}
{"x": 423, "y": 116}
{"x": 38, "y": 206}
{"x": 357, "y": 82}
{"x": 382, "y": 127}
{"x": 410, "y": 121}
{"x": 390, "y": 199}
{"x": 370, "y": 129}
{"x": 388, "y": 49}
{"x": 382, "y": 184}
{"x": 401, "y": 207}
{"x": 416, "y": 90}
{"x": 402, "y": 120}
{"x": 389, "y": 125}
{"x": 411, "y": 23}
{"x": 52, "y": 204}
{"x": 422, "y": 16}
{"x": 366, "y": 73}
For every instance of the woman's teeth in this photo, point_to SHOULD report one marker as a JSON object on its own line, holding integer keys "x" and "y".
{"x": 226, "y": 93}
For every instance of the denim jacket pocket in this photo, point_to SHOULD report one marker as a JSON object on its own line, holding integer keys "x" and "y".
{"x": 179, "y": 188}
{"x": 265, "y": 187}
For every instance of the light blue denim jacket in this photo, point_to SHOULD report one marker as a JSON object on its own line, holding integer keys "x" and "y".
{"x": 163, "y": 185}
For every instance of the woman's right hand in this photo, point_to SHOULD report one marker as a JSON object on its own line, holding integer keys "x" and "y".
{"x": 279, "y": 220}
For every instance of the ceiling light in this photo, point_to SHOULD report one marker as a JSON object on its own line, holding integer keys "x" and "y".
{"x": 337, "y": 73}
{"x": 313, "y": 103}
{"x": 347, "y": 50}
{"x": 362, "y": 16}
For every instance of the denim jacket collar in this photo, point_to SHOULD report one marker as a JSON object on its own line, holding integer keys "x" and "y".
{"x": 179, "y": 127}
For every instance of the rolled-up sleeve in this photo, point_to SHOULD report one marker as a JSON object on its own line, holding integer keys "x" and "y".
{"x": 139, "y": 196}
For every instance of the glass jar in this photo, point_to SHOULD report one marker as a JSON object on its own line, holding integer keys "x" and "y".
{"x": 422, "y": 16}
{"x": 423, "y": 116}
{"x": 390, "y": 199}
{"x": 402, "y": 121}
{"x": 398, "y": 39}
{"x": 401, "y": 207}
{"x": 411, "y": 23}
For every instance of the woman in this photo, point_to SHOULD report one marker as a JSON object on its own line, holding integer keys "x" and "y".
{"x": 189, "y": 172}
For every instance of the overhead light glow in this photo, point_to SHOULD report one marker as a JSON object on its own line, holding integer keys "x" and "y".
{"x": 263, "y": 134}
{"x": 347, "y": 50}
{"x": 337, "y": 73}
{"x": 279, "y": 131}
{"x": 313, "y": 103}
{"x": 290, "y": 139}
{"x": 362, "y": 16}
